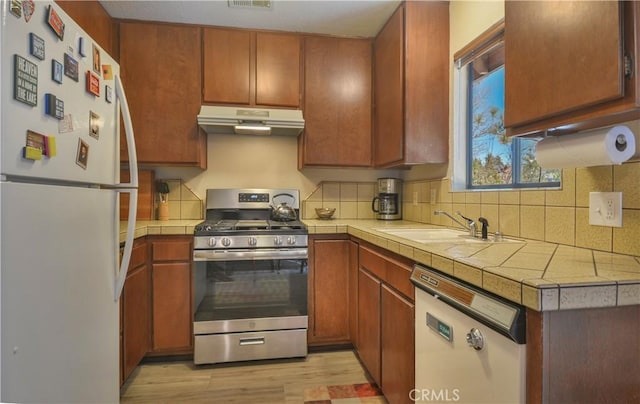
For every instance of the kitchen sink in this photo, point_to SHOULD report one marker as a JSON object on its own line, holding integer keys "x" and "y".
{"x": 428, "y": 236}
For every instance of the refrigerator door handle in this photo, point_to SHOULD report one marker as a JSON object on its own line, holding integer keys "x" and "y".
{"x": 128, "y": 129}
{"x": 121, "y": 276}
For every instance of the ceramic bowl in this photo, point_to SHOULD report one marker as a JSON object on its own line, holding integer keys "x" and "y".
{"x": 325, "y": 213}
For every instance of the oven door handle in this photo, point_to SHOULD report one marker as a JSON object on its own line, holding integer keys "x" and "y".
{"x": 249, "y": 254}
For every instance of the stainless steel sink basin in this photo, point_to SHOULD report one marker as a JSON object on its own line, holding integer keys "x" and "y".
{"x": 428, "y": 236}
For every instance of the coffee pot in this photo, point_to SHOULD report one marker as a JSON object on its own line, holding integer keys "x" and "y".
{"x": 387, "y": 205}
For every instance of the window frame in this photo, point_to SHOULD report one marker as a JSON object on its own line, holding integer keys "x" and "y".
{"x": 463, "y": 119}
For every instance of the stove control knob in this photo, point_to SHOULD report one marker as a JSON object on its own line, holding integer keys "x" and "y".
{"x": 291, "y": 240}
{"x": 212, "y": 242}
{"x": 277, "y": 240}
{"x": 226, "y": 241}
{"x": 253, "y": 241}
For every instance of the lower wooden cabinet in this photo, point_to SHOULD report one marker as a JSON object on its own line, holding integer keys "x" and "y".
{"x": 329, "y": 258}
{"x": 386, "y": 312}
{"x": 172, "y": 302}
{"x": 135, "y": 302}
{"x": 397, "y": 345}
{"x": 369, "y": 323}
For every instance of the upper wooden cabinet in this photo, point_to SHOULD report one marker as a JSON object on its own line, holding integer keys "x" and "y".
{"x": 251, "y": 68}
{"x": 565, "y": 64}
{"x": 337, "y": 103}
{"x": 161, "y": 71}
{"x": 94, "y": 19}
{"x": 411, "y": 86}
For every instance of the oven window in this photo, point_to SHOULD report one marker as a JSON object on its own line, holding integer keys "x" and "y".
{"x": 251, "y": 289}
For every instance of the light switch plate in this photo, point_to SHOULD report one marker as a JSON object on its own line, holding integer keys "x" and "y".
{"x": 605, "y": 209}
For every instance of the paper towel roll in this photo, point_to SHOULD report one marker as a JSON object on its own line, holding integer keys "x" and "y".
{"x": 585, "y": 149}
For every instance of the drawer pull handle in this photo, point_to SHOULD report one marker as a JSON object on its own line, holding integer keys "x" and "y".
{"x": 252, "y": 341}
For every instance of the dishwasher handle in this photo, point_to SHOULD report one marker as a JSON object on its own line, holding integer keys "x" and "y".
{"x": 475, "y": 339}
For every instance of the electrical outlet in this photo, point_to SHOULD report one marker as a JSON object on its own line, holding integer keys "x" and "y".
{"x": 415, "y": 198}
{"x": 605, "y": 209}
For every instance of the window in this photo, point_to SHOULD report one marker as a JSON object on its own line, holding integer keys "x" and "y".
{"x": 484, "y": 157}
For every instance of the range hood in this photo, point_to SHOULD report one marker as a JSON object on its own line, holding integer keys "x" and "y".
{"x": 250, "y": 121}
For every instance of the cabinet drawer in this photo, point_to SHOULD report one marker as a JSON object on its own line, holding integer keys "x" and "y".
{"x": 372, "y": 262}
{"x": 172, "y": 249}
{"x": 244, "y": 346}
{"x": 398, "y": 277}
{"x": 394, "y": 272}
{"x": 138, "y": 254}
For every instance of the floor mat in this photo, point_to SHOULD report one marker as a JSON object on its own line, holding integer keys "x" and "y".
{"x": 344, "y": 394}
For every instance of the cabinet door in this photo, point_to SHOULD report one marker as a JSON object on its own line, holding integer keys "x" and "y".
{"x": 561, "y": 56}
{"x": 398, "y": 346}
{"x": 369, "y": 323}
{"x": 278, "y": 69}
{"x": 330, "y": 305}
{"x": 161, "y": 72}
{"x": 389, "y": 90}
{"x": 353, "y": 292}
{"x": 412, "y": 86}
{"x": 136, "y": 297}
{"x": 171, "y": 306}
{"x": 93, "y": 18}
{"x": 337, "y": 106}
{"x": 227, "y": 66}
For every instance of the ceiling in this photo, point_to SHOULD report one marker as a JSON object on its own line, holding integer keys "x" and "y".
{"x": 334, "y": 17}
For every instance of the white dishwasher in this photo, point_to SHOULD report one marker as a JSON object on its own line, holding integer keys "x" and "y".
{"x": 470, "y": 344}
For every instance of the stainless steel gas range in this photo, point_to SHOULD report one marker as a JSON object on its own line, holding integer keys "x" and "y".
{"x": 250, "y": 277}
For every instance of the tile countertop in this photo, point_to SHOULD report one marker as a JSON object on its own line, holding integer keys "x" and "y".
{"x": 539, "y": 275}
{"x": 154, "y": 227}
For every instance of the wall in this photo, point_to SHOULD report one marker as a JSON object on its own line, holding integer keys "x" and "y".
{"x": 557, "y": 216}
{"x": 251, "y": 161}
{"x": 240, "y": 161}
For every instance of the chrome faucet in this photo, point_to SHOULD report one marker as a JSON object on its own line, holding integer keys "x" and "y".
{"x": 470, "y": 225}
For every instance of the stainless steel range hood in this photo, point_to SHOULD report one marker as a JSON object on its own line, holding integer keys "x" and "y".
{"x": 250, "y": 121}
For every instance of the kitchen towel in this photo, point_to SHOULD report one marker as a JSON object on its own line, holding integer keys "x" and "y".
{"x": 612, "y": 145}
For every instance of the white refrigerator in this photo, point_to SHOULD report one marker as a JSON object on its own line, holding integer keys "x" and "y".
{"x": 60, "y": 272}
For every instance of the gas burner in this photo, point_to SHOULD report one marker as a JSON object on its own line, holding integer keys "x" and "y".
{"x": 251, "y": 225}
{"x": 245, "y": 213}
{"x": 212, "y": 226}
{"x": 293, "y": 225}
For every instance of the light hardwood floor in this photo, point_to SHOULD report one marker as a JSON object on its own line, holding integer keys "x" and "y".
{"x": 275, "y": 381}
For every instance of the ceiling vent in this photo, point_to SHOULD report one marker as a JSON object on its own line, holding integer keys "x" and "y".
{"x": 264, "y": 4}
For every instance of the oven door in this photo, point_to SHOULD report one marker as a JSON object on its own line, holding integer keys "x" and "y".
{"x": 249, "y": 295}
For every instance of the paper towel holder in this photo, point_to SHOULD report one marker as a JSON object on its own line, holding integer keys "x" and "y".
{"x": 621, "y": 143}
